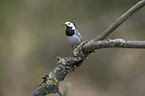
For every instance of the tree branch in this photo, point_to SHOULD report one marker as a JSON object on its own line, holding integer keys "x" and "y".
{"x": 120, "y": 20}
{"x": 74, "y": 60}
{"x": 68, "y": 64}
{"x": 64, "y": 66}
{"x": 116, "y": 43}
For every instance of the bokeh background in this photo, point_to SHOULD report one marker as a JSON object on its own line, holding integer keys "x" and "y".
{"x": 32, "y": 35}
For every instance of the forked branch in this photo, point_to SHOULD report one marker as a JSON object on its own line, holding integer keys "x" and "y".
{"x": 75, "y": 59}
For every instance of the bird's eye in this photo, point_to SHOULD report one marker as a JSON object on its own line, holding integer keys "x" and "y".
{"x": 68, "y": 23}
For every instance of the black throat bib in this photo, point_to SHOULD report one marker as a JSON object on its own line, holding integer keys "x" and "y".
{"x": 69, "y": 31}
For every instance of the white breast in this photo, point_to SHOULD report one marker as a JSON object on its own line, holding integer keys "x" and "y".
{"x": 74, "y": 40}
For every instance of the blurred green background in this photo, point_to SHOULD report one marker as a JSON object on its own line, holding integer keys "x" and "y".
{"x": 32, "y": 35}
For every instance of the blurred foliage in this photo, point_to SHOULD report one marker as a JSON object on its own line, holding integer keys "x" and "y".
{"x": 32, "y": 35}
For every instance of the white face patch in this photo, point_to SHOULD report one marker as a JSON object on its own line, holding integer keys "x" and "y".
{"x": 70, "y": 24}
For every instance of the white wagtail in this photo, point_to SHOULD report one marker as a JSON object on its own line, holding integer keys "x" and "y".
{"x": 72, "y": 34}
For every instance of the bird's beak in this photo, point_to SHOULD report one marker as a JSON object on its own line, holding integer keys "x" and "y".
{"x": 64, "y": 24}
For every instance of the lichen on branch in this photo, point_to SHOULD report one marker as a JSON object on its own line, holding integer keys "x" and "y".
{"x": 64, "y": 66}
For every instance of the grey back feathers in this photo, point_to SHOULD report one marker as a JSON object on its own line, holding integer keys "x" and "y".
{"x": 78, "y": 33}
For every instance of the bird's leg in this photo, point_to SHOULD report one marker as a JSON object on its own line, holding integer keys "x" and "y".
{"x": 72, "y": 47}
{"x": 72, "y": 50}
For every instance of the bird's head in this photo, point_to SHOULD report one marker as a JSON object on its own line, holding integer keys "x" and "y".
{"x": 70, "y": 24}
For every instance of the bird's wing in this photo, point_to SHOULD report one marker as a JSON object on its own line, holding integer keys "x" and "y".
{"x": 78, "y": 34}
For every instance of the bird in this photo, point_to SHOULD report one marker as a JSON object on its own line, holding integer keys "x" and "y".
{"x": 73, "y": 36}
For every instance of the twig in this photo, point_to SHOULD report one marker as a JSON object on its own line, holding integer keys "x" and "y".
{"x": 120, "y": 20}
